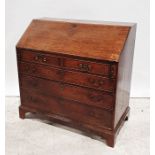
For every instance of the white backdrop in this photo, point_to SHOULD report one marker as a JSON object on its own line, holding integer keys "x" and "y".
{"x": 19, "y": 14}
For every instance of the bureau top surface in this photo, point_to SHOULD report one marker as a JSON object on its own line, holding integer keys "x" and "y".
{"x": 97, "y": 40}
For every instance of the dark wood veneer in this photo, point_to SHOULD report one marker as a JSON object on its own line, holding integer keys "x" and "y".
{"x": 77, "y": 73}
{"x": 73, "y": 77}
{"x": 51, "y": 88}
{"x": 70, "y": 109}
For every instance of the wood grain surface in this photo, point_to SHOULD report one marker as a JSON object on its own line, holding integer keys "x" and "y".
{"x": 77, "y": 73}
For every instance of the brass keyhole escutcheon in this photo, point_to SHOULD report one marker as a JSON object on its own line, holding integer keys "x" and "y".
{"x": 37, "y": 57}
{"x": 62, "y": 86}
{"x": 84, "y": 67}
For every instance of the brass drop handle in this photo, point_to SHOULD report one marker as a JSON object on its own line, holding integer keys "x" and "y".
{"x": 30, "y": 69}
{"x": 96, "y": 98}
{"x": 84, "y": 67}
{"x": 96, "y": 82}
{"x": 44, "y": 59}
{"x": 40, "y": 58}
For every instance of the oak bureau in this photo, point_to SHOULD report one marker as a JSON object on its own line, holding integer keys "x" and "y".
{"x": 77, "y": 73}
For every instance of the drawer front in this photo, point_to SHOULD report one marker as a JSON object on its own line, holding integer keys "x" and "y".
{"x": 73, "y": 77}
{"x": 103, "y": 69}
{"x": 87, "y": 66}
{"x": 40, "y": 71}
{"x": 70, "y": 92}
{"x": 37, "y": 57}
{"x": 69, "y": 109}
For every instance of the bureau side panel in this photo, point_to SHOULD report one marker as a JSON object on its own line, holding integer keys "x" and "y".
{"x": 18, "y": 58}
{"x": 124, "y": 76}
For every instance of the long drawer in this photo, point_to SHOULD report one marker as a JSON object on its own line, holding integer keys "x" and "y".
{"x": 69, "y": 109}
{"x": 72, "y": 77}
{"x": 99, "y": 68}
{"x": 87, "y": 96}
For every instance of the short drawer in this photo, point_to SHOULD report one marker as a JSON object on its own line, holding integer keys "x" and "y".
{"x": 72, "y": 77}
{"x": 88, "y": 66}
{"x": 37, "y": 57}
{"x": 72, "y": 110}
{"x": 75, "y": 93}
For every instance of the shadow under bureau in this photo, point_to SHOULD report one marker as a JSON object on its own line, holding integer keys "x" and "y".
{"x": 77, "y": 73}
